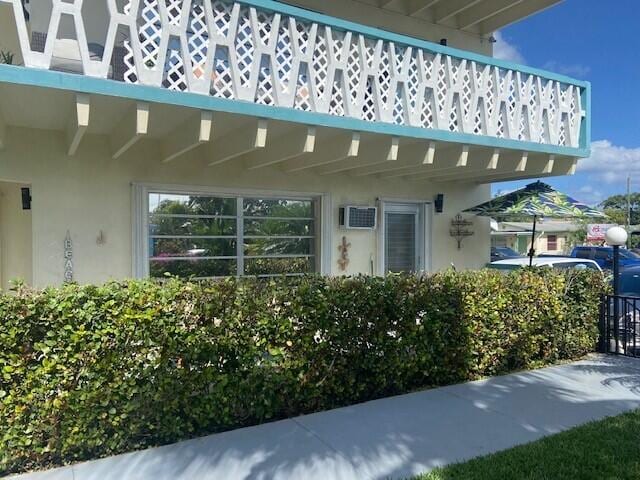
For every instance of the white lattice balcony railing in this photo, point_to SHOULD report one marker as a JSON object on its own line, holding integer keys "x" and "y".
{"x": 258, "y": 51}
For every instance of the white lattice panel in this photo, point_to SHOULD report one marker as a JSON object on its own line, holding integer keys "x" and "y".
{"x": 236, "y": 51}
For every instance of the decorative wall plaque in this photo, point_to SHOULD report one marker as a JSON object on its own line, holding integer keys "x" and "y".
{"x": 460, "y": 229}
{"x": 68, "y": 258}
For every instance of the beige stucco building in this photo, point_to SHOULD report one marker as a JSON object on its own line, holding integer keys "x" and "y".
{"x": 553, "y": 237}
{"x": 218, "y": 137}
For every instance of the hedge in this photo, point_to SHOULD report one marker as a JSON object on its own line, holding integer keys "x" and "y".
{"x": 91, "y": 371}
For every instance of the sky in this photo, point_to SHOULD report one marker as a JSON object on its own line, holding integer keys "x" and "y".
{"x": 598, "y": 41}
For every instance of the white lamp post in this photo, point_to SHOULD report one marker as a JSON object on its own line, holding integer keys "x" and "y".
{"x": 616, "y": 237}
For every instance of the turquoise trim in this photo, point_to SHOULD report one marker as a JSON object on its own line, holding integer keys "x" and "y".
{"x": 585, "y": 128}
{"x": 83, "y": 84}
{"x": 373, "y": 32}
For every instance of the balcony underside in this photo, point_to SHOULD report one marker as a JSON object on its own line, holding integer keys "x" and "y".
{"x": 474, "y": 16}
{"x": 208, "y": 139}
{"x": 267, "y": 59}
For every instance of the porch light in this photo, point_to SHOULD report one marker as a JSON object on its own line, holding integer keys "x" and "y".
{"x": 26, "y": 198}
{"x": 438, "y": 203}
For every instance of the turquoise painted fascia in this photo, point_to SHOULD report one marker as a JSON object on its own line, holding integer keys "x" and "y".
{"x": 585, "y": 128}
{"x": 98, "y": 86}
{"x": 373, "y": 32}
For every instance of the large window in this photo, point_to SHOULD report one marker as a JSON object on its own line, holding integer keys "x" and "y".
{"x": 205, "y": 236}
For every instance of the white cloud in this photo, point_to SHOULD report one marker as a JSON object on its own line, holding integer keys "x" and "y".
{"x": 589, "y": 195}
{"x": 572, "y": 70}
{"x": 504, "y": 50}
{"x": 611, "y": 165}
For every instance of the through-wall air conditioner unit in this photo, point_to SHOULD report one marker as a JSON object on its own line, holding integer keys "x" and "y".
{"x": 359, "y": 218}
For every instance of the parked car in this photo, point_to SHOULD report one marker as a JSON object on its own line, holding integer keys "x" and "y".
{"x": 561, "y": 263}
{"x": 501, "y": 253}
{"x": 630, "y": 282}
{"x": 603, "y": 256}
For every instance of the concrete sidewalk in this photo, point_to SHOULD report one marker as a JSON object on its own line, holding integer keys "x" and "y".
{"x": 394, "y": 437}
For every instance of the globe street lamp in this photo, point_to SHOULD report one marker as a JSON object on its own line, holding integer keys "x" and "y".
{"x": 616, "y": 237}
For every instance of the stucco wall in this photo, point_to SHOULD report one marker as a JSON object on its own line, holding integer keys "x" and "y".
{"x": 15, "y": 236}
{"x": 543, "y": 241}
{"x": 91, "y": 192}
{"x": 9, "y": 34}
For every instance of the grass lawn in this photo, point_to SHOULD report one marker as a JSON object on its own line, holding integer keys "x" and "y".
{"x": 604, "y": 450}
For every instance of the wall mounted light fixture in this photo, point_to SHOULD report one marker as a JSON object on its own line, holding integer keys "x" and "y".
{"x": 438, "y": 203}
{"x": 26, "y": 198}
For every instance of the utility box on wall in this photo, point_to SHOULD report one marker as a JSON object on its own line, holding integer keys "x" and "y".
{"x": 358, "y": 218}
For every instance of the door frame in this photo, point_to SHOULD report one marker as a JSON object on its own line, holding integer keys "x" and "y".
{"x": 423, "y": 237}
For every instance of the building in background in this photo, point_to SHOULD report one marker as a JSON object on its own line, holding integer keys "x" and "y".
{"x": 252, "y": 137}
{"x": 552, "y": 236}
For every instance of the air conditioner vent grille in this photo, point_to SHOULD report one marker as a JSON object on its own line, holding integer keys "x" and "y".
{"x": 358, "y": 217}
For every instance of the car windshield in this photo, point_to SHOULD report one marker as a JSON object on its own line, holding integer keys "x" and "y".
{"x": 629, "y": 255}
{"x": 507, "y": 252}
{"x": 605, "y": 253}
{"x": 577, "y": 265}
{"x": 560, "y": 266}
{"x": 582, "y": 253}
{"x": 504, "y": 266}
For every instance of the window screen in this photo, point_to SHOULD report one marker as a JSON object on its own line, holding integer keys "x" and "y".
{"x": 400, "y": 231}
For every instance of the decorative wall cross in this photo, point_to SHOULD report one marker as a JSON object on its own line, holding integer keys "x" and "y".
{"x": 343, "y": 261}
{"x": 460, "y": 229}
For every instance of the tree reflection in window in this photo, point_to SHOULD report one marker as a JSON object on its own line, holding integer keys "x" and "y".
{"x": 197, "y": 236}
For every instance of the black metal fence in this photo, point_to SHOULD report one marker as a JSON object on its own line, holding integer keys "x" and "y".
{"x": 620, "y": 325}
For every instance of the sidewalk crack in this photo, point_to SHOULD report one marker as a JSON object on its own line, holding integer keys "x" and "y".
{"x": 318, "y": 437}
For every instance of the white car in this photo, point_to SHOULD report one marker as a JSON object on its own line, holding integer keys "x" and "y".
{"x": 562, "y": 263}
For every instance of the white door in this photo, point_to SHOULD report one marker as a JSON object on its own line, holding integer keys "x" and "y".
{"x": 404, "y": 247}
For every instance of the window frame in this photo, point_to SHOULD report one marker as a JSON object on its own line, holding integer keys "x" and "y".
{"x": 554, "y": 242}
{"x": 140, "y": 217}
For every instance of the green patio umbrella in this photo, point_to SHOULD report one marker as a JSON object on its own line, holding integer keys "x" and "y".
{"x": 537, "y": 200}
